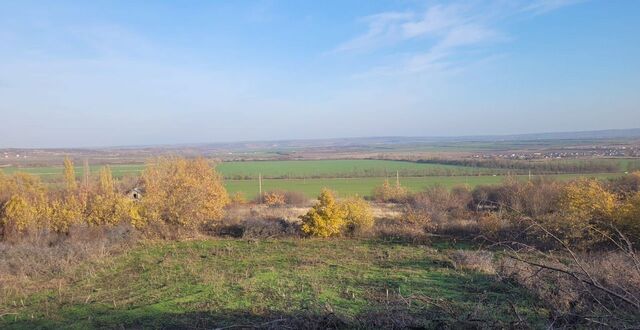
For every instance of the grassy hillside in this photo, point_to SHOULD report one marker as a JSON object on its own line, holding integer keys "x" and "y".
{"x": 283, "y": 282}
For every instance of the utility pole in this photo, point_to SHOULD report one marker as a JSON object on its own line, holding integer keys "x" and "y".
{"x": 260, "y": 186}
{"x": 397, "y": 178}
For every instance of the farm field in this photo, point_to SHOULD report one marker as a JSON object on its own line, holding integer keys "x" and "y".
{"x": 346, "y": 177}
{"x": 339, "y": 168}
{"x": 364, "y": 186}
{"x": 300, "y": 169}
{"x": 226, "y": 282}
{"x": 48, "y": 173}
{"x": 288, "y": 169}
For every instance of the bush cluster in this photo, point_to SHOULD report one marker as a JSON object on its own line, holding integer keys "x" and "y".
{"x": 581, "y": 213}
{"x": 388, "y": 193}
{"x": 176, "y": 191}
{"x": 332, "y": 218}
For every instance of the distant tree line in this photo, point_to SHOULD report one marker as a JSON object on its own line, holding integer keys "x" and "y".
{"x": 537, "y": 167}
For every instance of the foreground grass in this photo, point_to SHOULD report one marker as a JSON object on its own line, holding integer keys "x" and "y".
{"x": 346, "y": 283}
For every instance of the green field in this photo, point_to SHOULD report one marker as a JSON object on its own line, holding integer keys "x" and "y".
{"x": 364, "y": 186}
{"x": 53, "y": 172}
{"x": 289, "y": 169}
{"x": 224, "y": 282}
{"x": 347, "y": 177}
{"x": 339, "y": 168}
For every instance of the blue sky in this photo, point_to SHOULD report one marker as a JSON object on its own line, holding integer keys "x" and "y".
{"x": 104, "y": 73}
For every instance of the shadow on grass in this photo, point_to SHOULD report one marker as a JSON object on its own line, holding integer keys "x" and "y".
{"x": 390, "y": 318}
{"x": 375, "y": 286}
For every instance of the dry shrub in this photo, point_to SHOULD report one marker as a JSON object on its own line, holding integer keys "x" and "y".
{"x": 492, "y": 225}
{"x": 279, "y": 198}
{"x": 238, "y": 198}
{"x": 533, "y": 198}
{"x": 479, "y": 261}
{"x": 442, "y": 203}
{"x": 437, "y": 208}
{"x": 568, "y": 294}
{"x": 257, "y": 228}
{"x": 464, "y": 228}
{"x": 391, "y": 229}
{"x": 53, "y": 254}
{"x": 274, "y": 198}
{"x": 626, "y": 185}
{"x": 418, "y": 216}
{"x": 258, "y": 222}
{"x": 295, "y": 198}
{"x": 388, "y": 193}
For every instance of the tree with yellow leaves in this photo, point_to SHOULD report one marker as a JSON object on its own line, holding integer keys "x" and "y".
{"x": 107, "y": 207}
{"x": 628, "y": 217}
{"x": 26, "y": 204}
{"x": 586, "y": 210}
{"x": 70, "y": 175}
{"x": 587, "y": 199}
{"x": 326, "y": 218}
{"x": 182, "y": 191}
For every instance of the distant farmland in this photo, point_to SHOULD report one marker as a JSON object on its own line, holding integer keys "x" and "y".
{"x": 347, "y": 177}
{"x": 299, "y": 169}
{"x": 364, "y": 186}
{"x": 292, "y": 169}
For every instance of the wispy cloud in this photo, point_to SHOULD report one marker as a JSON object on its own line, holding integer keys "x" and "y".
{"x": 544, "y": 6}
{"x": 443, "y": 31}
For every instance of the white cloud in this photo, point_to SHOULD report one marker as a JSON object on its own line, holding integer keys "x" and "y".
{"x": 443, "y": 31}
{"x": 382, "y": 29}
{"x": 544, "y": 6}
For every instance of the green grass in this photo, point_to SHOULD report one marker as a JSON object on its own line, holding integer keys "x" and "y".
{"x": 52, "y": 172}
{"x": 353, "y": 176}
{"x": 337, "y": 168}
{"x": 364, "y": 186}
{"x": 286, "y": 169}
{"x": 225, "y": 282}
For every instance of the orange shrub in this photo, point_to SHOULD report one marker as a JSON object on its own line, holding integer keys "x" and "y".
{"x": 274, "y": 198}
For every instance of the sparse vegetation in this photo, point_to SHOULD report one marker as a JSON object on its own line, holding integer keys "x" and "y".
{"x": 503, "y": 236}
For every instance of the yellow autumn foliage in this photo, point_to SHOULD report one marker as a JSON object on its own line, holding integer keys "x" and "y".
{"x": 628, "y": 217}
{"x": 326, "y": 218}
{"x": 238, "y": 198}
{"x": 64, "y": 212}
{"x": 184, "y": 192}
{"x": 24, "y": 203}
{"x": 108, "y": 207}
{"x": 70, "y": 174}
{"x": 358, "y": 215}
{"x": 586, "y": 209}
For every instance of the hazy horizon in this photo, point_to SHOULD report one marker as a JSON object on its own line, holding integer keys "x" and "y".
{"x": 95, "y": 74}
